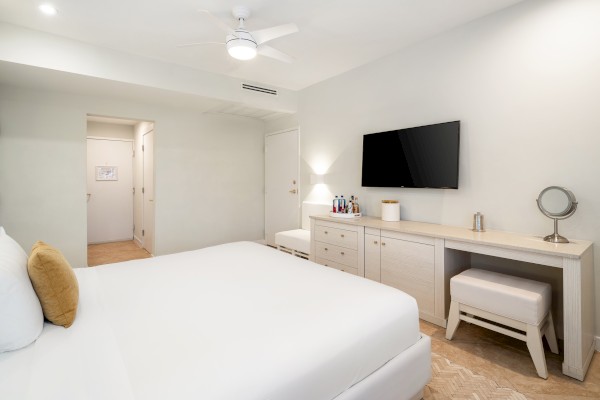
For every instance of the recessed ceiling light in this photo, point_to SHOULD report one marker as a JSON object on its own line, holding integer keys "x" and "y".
{"x": 48, "y": 9}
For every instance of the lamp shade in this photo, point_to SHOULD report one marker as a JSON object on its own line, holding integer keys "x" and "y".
{"x": 241, "y": 46}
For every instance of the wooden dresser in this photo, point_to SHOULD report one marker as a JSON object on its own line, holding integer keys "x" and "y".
{"x": 420, "y": 258}
{"x": 339, "y": 246}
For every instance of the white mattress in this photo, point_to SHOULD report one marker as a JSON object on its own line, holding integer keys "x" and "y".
{"x": 237, "y": 321}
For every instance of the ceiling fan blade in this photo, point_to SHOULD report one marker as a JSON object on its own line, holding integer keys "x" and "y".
{"x": 268, "y": 51}
{"x": 217, "y": 21}
{"x": 198, "y": 44}
{"x": 264, "y": 35}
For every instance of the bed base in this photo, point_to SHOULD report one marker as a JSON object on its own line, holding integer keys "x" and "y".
{"x": 403, "y": 377}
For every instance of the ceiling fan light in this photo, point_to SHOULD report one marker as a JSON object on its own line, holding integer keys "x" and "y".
{"x": 241, "y": 49}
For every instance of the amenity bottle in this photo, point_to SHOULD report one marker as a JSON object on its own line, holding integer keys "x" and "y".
{"x": 356, "y": 206}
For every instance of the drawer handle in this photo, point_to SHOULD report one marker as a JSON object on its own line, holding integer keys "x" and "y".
{"x": 341, "y": 252}
{"x": 375, "y": 242}
{"x": 326, "y": 249}
{"x": 383, "y": 243}
{"x": 342, "y": 235}
{"x": 326, "y": 232}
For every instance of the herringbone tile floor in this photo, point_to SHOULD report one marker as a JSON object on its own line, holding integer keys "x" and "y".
{"x": 452, "y": 381}
{"x": 107, "y": 253}
{"x": 480, "y": 364}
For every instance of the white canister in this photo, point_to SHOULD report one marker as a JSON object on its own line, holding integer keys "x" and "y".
{"x": 390, "y": 210}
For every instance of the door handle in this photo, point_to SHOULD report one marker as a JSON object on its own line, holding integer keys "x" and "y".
{"x": 293, "y": 191}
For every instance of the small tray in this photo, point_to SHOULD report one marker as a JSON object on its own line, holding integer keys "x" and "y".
{"x": 344, "y": 215}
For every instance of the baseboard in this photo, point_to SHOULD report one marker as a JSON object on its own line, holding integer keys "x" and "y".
{"x": 433, "y": 319}
{"x": 113, "y": 241}
{"x": 597, "y": 346}
{"x": 138, "y": 241}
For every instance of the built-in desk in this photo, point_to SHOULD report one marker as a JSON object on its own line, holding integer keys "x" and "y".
{"x": 420, "y": 258}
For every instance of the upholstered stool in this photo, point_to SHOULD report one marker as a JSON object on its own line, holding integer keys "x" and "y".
{"x": 518, "y": 303}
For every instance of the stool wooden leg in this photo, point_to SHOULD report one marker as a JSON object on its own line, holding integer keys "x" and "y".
{"x": 551, "y": 334}
{"x": 453, "y": 320}
{"x": 536, "y": 349}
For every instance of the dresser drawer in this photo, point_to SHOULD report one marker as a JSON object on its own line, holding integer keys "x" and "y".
{"x": 339, "y": 237}
{"x": 341, "y": 267}
{"x": 338, "y": 254}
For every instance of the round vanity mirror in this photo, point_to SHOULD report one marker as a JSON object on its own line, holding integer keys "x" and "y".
{"x": 557, "y": 203}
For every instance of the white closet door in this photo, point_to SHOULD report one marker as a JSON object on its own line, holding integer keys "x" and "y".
{"x": 110, "y": 190}
{"x": 282, "y": 205}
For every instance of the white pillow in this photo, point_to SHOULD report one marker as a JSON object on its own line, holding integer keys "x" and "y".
{"x": 21, "y": 317}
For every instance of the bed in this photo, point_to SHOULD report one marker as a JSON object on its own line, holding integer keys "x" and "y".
{"x": 235, "y": 321}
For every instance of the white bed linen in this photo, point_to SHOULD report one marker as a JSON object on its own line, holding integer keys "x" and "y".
{"x": 236, "y": 321}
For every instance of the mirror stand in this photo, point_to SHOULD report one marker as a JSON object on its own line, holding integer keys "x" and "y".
{"x": 555, "y": 237}
{"x": 557, "y": 203}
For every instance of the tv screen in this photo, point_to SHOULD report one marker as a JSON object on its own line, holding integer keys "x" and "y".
{"x": 421, "y": 157}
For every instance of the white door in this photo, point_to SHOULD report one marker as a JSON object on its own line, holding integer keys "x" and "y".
{"x": 281, "y": 184}
{"x": 110, "y": 190}
{"x": 148, "y": 192}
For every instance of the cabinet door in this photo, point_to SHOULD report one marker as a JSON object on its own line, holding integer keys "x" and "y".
{"x": 373, "y": 257}
{"x": 409, "y": 266}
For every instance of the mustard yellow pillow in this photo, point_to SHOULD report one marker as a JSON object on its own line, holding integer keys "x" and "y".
{"x": 54, "y": 283}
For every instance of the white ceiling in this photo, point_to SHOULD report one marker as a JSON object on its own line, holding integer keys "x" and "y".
{"x": 335, "y": 35}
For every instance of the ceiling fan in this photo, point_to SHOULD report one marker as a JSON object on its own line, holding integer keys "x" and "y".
{"x": 245, "y": 45}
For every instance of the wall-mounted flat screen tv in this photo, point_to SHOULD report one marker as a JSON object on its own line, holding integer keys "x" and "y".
{"x": 420, "y": 157}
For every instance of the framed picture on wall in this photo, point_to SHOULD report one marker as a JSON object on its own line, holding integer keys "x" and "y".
{"x": 107, "y": 173}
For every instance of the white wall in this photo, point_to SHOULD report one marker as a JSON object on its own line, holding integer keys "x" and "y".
{"x": 284, "y": 123}
{"x": 209, "y": 181}
{"x": 107, "y": 130}
{"x": 524, "y": 83}
{"x": 209, "y": 172}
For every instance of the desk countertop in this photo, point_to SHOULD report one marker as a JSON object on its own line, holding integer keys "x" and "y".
{"x": 508, "y": 240}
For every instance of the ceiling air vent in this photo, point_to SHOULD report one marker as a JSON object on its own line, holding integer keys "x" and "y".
{"x": 254, "y": 88}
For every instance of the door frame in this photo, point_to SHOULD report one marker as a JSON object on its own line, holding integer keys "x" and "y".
{"x": 152, "y": 242}
{"x": 299, "y": 185}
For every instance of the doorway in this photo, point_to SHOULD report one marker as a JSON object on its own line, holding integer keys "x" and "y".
{"x": 282, "y": 197}
{"x": 120, "y": 195}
